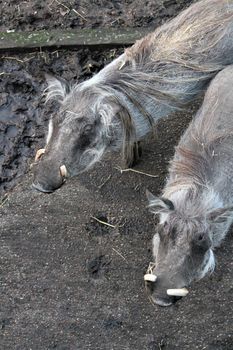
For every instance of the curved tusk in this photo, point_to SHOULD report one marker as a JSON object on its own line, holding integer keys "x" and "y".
{"x": 63, "y": 171}
{"x": 150, "y": 277}
{"x": 39, "y": 153}
{"x": 122, "y": 64}
{"x": 179, "y": 292}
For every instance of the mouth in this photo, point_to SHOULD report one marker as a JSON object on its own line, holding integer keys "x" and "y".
{"x": 169, "y": 296}
{"x": 168, "y": 299}
{"x": 39, "y": 188}
{"x": 161, "y": 302}
{"x": 46, "y": 189}
{"x": 44, "y": 183}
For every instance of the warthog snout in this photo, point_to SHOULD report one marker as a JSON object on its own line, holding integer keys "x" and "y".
{"x": 161, "y": 291}
{"x": 50, "y": 176}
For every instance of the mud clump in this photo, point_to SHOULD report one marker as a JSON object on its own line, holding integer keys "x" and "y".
{"x": 98, "y": 266}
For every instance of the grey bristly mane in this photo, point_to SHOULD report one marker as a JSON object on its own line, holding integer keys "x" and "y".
{"x": 170, "y": 67}
{"x": 162, "y": 72}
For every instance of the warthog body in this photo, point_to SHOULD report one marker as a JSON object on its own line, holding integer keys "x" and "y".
{"x": 196, "y": 207}
{"x": 118, "y": 106}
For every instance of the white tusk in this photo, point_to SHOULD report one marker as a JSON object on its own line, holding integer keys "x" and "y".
{"x": 123, "y": 63}
{"x": 63, "y": 171}
{"x": 39, "y": 153}
{"x": 179, "y": 292}
{"x": 150, "y": 277}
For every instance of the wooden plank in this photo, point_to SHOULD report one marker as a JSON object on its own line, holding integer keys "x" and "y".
{"x": 105, "y": 37}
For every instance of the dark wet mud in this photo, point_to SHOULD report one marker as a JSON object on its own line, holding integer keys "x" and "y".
{"x": 51, "y": 14}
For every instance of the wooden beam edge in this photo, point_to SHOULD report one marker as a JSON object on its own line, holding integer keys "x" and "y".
{"x": 49, "y": 39}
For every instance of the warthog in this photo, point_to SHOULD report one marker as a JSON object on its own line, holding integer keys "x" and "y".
{"x": 118, "y": 106}
{"x": 196, "y": 207}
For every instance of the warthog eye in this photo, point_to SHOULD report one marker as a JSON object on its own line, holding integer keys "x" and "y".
{"x": 87, "y": 135}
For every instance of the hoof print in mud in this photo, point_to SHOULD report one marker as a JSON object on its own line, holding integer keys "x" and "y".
{"x": 98, "y": 266}
{"x": 112, "y": 323}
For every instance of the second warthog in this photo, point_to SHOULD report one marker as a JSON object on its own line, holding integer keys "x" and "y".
{"x": 119, "y": 106}
{"x": 196, "y": 207}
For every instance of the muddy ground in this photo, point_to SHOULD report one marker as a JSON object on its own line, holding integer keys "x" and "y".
{"x": 49, "y": 14}
{"x": 68, "y": 282}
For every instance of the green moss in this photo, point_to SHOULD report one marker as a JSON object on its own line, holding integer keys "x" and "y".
{"x": 83, "y": 37}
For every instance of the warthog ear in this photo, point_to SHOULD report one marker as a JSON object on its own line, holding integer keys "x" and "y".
{"x": 220, "y": 215}
{"x": 57, "y": 88}
{"x": 159, "y": 205}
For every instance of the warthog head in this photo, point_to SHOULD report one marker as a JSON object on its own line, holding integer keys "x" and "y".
{"x": 77, "y": 135}
{"x": 182, "y": 248}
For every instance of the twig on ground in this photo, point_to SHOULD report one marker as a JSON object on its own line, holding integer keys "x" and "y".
{"x": 4, "y": 200}
{"x": 104, "y": 183}
{"x": 49, "y": 5}
{"x": 67, "y": 9}
{"x": 122, "y": 225}
{"x": 150, "y": 298}
{"x": 17, "y": 59}
{"x": 161, "y": 344}
{"x": 103, "y": 222}
{"x": 43, "y": 55}
{"x": 55, "y": 52}
{"x": 60, "y": 3}
{"x": 5, "y": 73}
{"x": 79, "y": 14}
{"x": 135, "y": 171}
{"x": 119, "y": 254}
{"x": 151, "y": 267}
